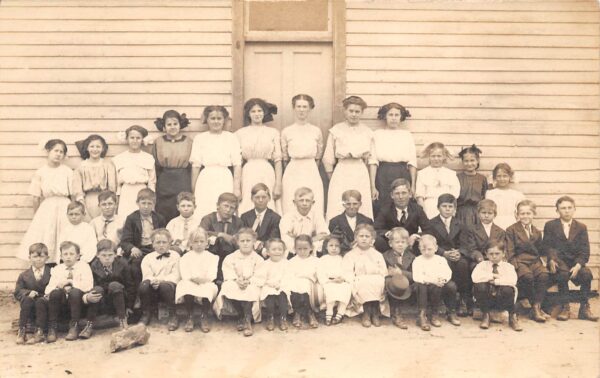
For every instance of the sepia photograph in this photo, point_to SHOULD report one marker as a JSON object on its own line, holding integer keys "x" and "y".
{"x": 300, "y": 188}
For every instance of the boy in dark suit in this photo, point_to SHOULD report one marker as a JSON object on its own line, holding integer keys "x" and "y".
{"x": 135, "y": 241}
{"x": 568, "y": 248}
{"x": 405, "y": 213}
{"x": 29, "y": 291}
{"x": 113, "y": 286}
{"x": 524, "y": 250}
{"x": 398, "y": 259}
{"x": 485, "y": 231}
{"x": 264, "y": 221}
{"x": 221, "y": 225}
{"x": 345, "y": 223}
{"x": 456, "y": 246}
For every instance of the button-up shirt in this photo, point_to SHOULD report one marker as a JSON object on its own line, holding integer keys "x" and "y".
{"x": 294, "y": 224}
{"x": 81, "y": 272}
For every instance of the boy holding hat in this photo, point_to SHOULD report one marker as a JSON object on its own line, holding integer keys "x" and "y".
{"x": 398, "y": 260}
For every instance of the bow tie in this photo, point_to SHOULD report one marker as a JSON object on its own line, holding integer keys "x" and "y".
{"x": 167, "y": 255}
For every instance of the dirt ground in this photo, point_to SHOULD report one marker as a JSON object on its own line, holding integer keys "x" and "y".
{"x": 555, "y": 349}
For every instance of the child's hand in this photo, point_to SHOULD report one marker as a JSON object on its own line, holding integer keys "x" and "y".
{"x": 92, "y": 297}
{"x": 154, "y": 282}
{"x": 394, "y": 270}
{"x": 477, "y": 257}
{"x": 552, "y": 266}
{"x": 33, "y": 294}
{"x": 195, "y": 280}
{"x": 440, "y": 282}
{"x": 65, "y": 283}
{"x": 374, "y": 194}
{"x": 413, "y": 238}
{"x": 136, "y": 252}
{"x": 242, "y": 284}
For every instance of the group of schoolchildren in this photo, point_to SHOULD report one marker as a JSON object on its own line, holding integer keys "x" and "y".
{"x": 441, "y": 237}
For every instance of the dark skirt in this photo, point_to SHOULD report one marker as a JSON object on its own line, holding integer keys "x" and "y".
{"x": 169, "y": 183}
{"x": 386, "y": 174}
{"x": 467, "y": 214}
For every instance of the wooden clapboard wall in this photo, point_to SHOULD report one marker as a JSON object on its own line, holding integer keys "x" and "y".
{"x": 71, "y": 68}
{"x": 518, "y": 78}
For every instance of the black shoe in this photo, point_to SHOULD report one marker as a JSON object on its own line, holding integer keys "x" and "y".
{"x": 21, "y": 336}
{"x": 189, "y": 325}
{"x": 73, "y": 333}
{"x": 283, "y": 324}
{"x": 453, "y": 319}
{"x": 270, "y": 324}
{"x": 513, "y": 321}
{"x": 88, "y": 330}
{"x": 485, "y": 321}
{"x": 38, "y": 336}
{"x": 204, "y": 325}
{"x": 248, "y": 326}
{"x": 173, "y": 323}
{"x": 422, "y": 321}
{"x": 585, "y": 313}
{"x": 51, "y": 338}
{"x": 565, "y": 313}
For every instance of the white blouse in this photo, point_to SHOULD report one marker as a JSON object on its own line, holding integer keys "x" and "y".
{"x": 349, "y": 142}
{"x": 259, "y": 142}
{"x": 395, "y": 145}
{"x": 212, "y": 149}
{"x": 301, "y": 142}
{"x": 135, "y": 168}
{"x": 50, "y": 181}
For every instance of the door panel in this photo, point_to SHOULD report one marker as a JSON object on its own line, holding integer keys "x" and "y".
{"x": 279, "y": 71}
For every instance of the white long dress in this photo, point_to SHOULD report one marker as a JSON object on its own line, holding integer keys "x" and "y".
{"x": 330, "y": 266}
{"x": 302, "y": 145}
{"x": 433, "y": 182}
{"x": 135, "y": 171}
{"x": 353, "y": 148}
{"x": 215, "y": 153}
{"x": 197, "y": 265}
{"x": 260, "y": 145}
{"x": 506, "y": 201}
{"x": 366, "y": 271}
{"x": 54, "y": 186}
{"x": 273, "y": 274}
{"x": 302, "y": 279}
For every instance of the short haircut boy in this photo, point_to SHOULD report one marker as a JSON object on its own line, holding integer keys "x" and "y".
{"x": 529, "y": 203}
{"x": 364, "y": 226}
{"x": 105, "y": 245}
{"x": 106, "y": 194}
{"x": 76, "y": 205}
{"x": 398, "y": 232}
{"x": 305, "y": 238}
{"x": 487, "y": 204}
{"x": 146, "y": 194}
{"x": 227, "y": 197}
{"x": 258, "y": 187}
{"x": 186, "y": 196}
{"x": 499, "y": 244}
{"x": 38, "y": 249}
{"x": 351, "y": 194}
{"x": 160, "y": 231}
{"x": 400, "y": 182}
{"x": 69, "y": 244}
{"x": 446, "y": 198}
{"x": 564, "y": 199}
{"x": 302, "y": 191}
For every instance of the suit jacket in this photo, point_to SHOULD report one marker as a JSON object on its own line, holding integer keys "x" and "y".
{"x": 572, "y": 250}
{"x": 517, "y": 242}
{"x": 269, "y": 226}
{"x": 391, "y": 260}
{"x": 212, "y": 225}
{"x": 480, "y": 238}
{"x": 388, "y": 219}
{"x": 27, "y": 282}
{"x": 120, "y": 273}
{"x": 132, "y": 230}
{"x": 339, "y": 225}
{"x": 458, "y": 238}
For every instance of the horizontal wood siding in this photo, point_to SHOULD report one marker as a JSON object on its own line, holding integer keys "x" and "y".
{"x": 71, "y": 68}
{"x": 518, "y": 78}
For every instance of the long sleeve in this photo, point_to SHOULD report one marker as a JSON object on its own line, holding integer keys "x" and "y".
{"x": 85, "y": 282}
{"x": 130, "y": 286}
{"x": 510, "y": 245}
{"x": 466, "y": 242}
{"x": 77, "y": 184}
{"x": 418, "y": 271}
{"x": 173, "y": 274}
{"x": 323, "y": 270}
{"x": 453, "y": 184}
{"x": 329, "y": 153}
{"x": 260, "y": 274}
{"x": 420, "y": 187}
{"x": 127, "y": 236}
{"x": 229, "y": 273}
{"x": 55, "y": 278}
{"x": 88, "y": 245}
{"x": 285, "y": 229}
{"x": 482, "y": 273}
{"x": 152, "y": 178}
{"x": 186, "y": 267}
{"x": 381, "y": 268}
{"x": 348, "y": 267}
{"x": 147, "y": 273}
{"x": 212, "y": 266}
{"x": 20, "y": 290}
{"x": 320, "y": 225}
{"x": 508, "y": 275}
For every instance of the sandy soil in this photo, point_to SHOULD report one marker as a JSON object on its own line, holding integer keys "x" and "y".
{"x": 555, "y": 349}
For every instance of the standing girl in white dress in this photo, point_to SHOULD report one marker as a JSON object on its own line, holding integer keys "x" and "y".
{"x": 94, "y": 175}
{"x": 51, "y": 188}
{"x": 261, "y": 146}
{"x": 330, "y": 274}
{"x": 213, "y": 153}
{"x": 198, "y": 270}
{"x": 396, "y": 153}
{"x": 301, "y": 150}
{"x": 350, "y": 144}
{"x": 435, "y": 179}
{"x": 135, "y": 170}
{"x": 506, "y": 199}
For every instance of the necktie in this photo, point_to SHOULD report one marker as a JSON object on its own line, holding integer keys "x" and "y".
{"x": 167, "y": 255}
{"x": 528, "y": 230}
{"x": 403, "y": 218}
{"x": 38, "y": 274}
{"x": 225, "y": 226}
{"x": 105, "y": 228}
{"x": 447, "y": 224}
{"x": 186, "y": 228}
{"x": 494, "y": 271}
{"x": 566, "y": 229}
{"x": 257, "y": 222}
{"x": 107, "y": 271}
{"x": 70, "y": 273}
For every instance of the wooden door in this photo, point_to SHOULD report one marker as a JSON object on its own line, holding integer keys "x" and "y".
{"x": 278, "y": 71}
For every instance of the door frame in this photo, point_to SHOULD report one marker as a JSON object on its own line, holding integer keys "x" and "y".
{"x": 238, "y": 39}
